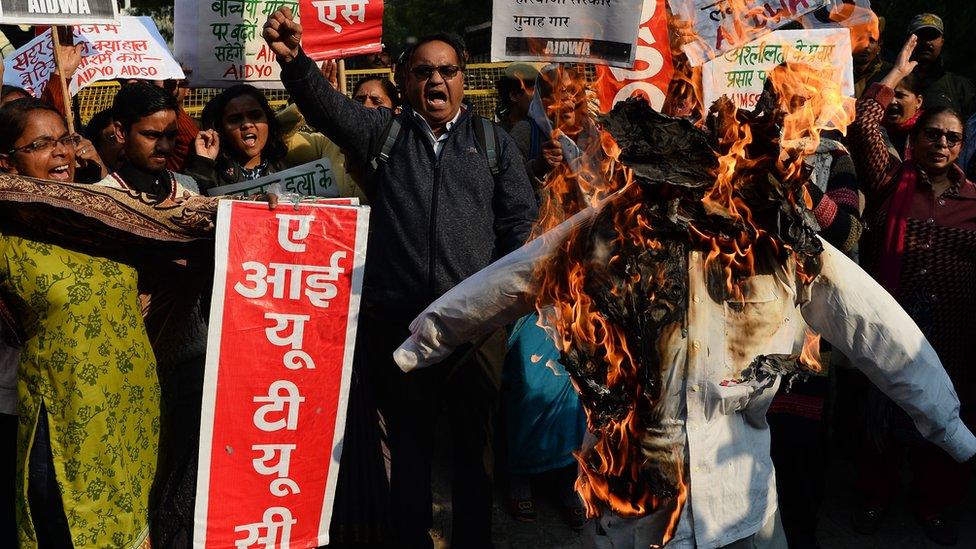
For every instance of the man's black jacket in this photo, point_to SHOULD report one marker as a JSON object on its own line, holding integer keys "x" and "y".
{"x": 434, "y": 221}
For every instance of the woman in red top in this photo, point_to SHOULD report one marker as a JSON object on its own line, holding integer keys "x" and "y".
{"x": 920, "y": 244}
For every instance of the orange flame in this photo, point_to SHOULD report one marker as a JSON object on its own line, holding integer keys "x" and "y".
{"x": 808, "y": 102}
{"x": 810, "y": 356}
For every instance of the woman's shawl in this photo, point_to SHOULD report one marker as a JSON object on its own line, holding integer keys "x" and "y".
{"x": 124, "y": 225}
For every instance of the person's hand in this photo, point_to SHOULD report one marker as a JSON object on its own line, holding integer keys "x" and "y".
{"x": 283, "y": 34}
{"x": 207, "y": 144}
{"x": 86, "y": 156}
{"x": 552, "y": 152}
{"x": 903, "y": 64}
{"x": 330, "y": 70}
{"x": 70, "y": 60}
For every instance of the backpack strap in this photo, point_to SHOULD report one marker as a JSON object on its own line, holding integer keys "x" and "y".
{"x": 485, "y": 132}
{"x": 390, "y": 135}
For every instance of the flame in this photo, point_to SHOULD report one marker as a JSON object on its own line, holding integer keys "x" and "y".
{"x": 810, "y": 356}
{"x": 806, "y": 101}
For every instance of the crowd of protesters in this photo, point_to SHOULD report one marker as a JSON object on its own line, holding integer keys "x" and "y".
{"x": 100, "y": 392}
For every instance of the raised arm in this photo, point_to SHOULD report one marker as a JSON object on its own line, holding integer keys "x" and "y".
{"x": 874, "y": 162}
{"x": 858, "y": 317}
{"x": 350, "y": 125}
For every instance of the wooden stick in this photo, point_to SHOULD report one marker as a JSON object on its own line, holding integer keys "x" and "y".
{"x": 69, "y": 115}
{"x": 342, "y": 76}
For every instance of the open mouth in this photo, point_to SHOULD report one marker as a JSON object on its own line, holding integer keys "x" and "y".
{"x": 436, "y": 99}
{"x": 250, "y": 140}
{"x": 59, "y": 173}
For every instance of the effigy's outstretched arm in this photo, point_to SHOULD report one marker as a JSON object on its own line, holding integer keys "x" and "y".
{"x": 487, "y": 300}
{"x": 865, "y": 323}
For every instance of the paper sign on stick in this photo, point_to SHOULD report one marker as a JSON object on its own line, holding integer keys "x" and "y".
{"x": 721, "y": 25}
{"x": 221, "y": 41}
{"x": 279, "y": 358}
{"x": 741, "y": 73}
{"x": 132, "y": 48}
{"x": 332, "y": 29}
{"x": 599, "y": 31}
{"x": 652, "y": 65}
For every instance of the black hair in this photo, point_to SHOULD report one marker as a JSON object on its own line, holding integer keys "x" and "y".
{"x": 15, "y": 115}
{"x": 93, "y": 131}
{"x": 389, "y": 88}
{"x": 928, "y": 114}
{"x": 213, "y": 116}
{"x": 139, "y": 100}
{"x": 8, "y": 89}
{"x": 912, "y": 83}
{"x": 507, "y": 85}
{"x": 453, "y": 40}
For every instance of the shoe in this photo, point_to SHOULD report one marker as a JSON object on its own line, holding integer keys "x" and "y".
{"x": 523, "y": 510}
{"x": 867, "y": 521}
{"x": 940, "y": 530}
{"x": 574, "y": 516}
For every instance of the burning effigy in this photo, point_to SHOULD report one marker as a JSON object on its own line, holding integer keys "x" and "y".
{"x": 680, "y": 276}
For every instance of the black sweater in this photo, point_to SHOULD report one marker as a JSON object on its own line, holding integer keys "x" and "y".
{"x": 435, "y": 220}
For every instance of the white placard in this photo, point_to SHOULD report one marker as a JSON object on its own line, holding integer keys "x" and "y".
{"x": 741, "y": 73}
{"x": 133, "y": 48}
{"x": 220, "y": 40}
{"x": 721, "y": 25}
{"x": 591, "y": 31}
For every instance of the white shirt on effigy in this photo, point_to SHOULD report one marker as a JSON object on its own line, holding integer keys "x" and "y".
{"x": 721, "y": 427}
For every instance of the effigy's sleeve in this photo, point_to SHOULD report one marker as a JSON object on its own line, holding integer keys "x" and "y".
{"x": 865, "y": 323}
{"x": 489, "y": 299}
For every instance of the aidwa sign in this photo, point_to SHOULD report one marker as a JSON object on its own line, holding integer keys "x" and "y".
{"x": 58, "y": 12}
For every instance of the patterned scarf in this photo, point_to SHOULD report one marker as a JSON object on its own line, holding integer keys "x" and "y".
{"x": 120, "y": 224}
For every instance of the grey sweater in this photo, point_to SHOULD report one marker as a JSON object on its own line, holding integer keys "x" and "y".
{"x": 435, "y": 220}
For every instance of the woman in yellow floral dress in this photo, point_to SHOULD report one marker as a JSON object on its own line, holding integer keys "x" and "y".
{"x": 89, "y": 396}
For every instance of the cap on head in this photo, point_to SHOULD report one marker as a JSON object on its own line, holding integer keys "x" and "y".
{"x": 926, "y": 21}
{"x": 525, "y": 72}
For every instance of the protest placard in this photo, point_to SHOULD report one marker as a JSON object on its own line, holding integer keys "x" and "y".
{"x": 595, "y": 31}
{"x": 279, "y": 357}
{"x": 333, "y": 29}
{"x": 721, "y": 25}
{"x": 220, "y": 40}
{"x": 132, "y": 48}
{"x": 652, "y": 64}
{"x": 58, "y": 12}
{"x": 311, "y": 179}
{"x": 741, "y": 73}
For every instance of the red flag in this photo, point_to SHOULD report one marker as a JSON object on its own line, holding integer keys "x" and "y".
{"x": 652, "y": 67}
{"x": 341, "y": 28}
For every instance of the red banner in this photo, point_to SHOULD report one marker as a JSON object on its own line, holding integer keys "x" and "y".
{"x": 279, "y": 358}
{"x": 332, "y": 29}
{"x": 652, "y": 67}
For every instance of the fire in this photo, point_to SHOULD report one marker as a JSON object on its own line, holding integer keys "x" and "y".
{"x": 589, "y": 286}
{"x": 810, "y": 356}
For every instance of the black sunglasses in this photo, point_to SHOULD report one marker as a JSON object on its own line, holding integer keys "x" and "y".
{"x": 447, "y": 72}
{"x": 935, "y": 134}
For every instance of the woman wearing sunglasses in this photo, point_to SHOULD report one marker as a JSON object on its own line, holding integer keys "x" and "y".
{"x": 921, "y": 246}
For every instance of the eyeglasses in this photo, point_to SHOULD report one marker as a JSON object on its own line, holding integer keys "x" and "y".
{"x": 934, "y": 135}
{"x": 46, "y": 144}
{"x": 447, "y": 72}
